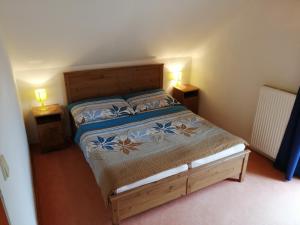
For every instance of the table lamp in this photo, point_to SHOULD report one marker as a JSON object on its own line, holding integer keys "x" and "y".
{"x": 177, "y": 77}
{"x": 41, "y": 96}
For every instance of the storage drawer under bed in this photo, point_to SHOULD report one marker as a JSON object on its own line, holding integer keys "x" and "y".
{"x": 154, "y": 194}
{"x": 149, "y": 196}
{"x": 230, "y": 167}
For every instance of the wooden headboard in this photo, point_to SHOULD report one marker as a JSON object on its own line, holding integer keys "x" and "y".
{"x": 112, "y": 81}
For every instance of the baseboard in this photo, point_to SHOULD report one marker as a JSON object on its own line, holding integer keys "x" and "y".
{"x": 261, "y": 153}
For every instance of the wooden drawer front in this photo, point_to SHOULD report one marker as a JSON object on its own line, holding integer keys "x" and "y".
{"x": 201, "y": 178}
{"x": 51, "y": 135}
{"x": 152, "y": 195}
{"x": 191, "y": 103}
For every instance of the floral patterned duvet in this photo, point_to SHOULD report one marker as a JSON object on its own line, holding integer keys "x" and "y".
{"x": 128, "y": 149}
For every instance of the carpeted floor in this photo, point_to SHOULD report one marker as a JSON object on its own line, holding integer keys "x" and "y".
{"x": 67, "y": 194}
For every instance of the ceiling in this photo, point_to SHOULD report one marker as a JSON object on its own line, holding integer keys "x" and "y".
{"x": 54, "y": 33}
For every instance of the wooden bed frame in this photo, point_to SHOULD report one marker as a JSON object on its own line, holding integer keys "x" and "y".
{"x": 123, "y": 80}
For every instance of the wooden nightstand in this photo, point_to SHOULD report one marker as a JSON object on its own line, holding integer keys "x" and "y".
{"x": 188, "y": 95}
{"x": 51, "y": 127}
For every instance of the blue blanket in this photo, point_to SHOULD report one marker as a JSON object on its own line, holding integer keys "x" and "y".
{"x": 125, "y": 120}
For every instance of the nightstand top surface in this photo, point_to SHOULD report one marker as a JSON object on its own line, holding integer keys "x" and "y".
{"x": 50, "y": 110}
{"x": 186, "y": 87}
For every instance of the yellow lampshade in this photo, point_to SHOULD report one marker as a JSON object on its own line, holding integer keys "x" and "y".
{"x": 177, "y": 76}
{"x": 41, "y": 95}
{"x": 176, "y": 72}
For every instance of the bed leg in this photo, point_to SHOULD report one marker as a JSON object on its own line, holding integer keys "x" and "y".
{"x": 115, "y": 212}
{"x": 244, "y": 167}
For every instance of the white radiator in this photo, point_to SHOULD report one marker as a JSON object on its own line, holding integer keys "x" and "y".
{"x": 272, "y": 116}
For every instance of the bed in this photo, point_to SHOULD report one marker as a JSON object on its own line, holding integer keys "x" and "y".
{"x": 146, "y": 159}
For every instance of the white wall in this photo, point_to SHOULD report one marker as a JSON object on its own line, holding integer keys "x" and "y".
{"x": 45, "y": 38}
{"x": 235, "y": 45}
{"x": 55, "y": 34}
{"x": 52, "y": 80}
{"x": 260, "y": 45}
{"x": 17, "y": 190}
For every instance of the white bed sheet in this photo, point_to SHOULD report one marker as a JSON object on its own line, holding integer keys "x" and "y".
{"x": 227, "y": 152}
{"x": 167, "y": 173}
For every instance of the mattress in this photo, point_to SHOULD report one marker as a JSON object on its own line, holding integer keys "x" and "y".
{"x": 167, "y": 173}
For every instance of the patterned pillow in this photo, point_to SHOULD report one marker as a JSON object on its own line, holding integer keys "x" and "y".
{"x": 150, "y": 100}
{"x": 95, "y": 110}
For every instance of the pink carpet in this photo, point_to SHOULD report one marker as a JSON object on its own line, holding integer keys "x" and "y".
{"x": 67, "y": 194}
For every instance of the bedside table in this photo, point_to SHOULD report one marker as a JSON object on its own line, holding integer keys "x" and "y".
{"x": 51, "y": 127}
{"x": 188, "y": 95}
